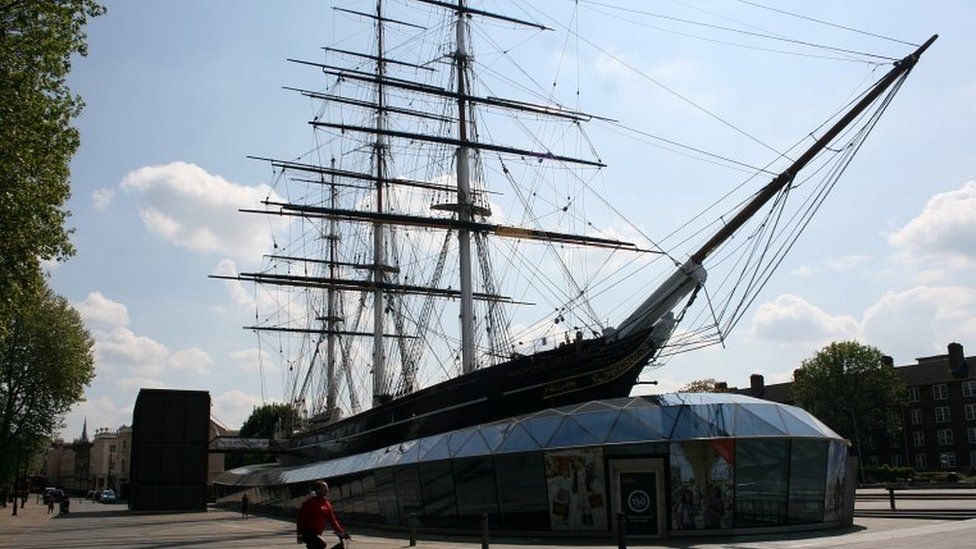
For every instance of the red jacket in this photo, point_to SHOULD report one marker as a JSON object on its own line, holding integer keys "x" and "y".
{"x": 313, "y": 514}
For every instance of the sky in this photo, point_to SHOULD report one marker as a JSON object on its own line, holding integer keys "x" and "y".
{"x": 179, "y": 93}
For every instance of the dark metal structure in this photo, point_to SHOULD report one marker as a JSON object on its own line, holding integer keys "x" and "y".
{"x": 170, "y": 435}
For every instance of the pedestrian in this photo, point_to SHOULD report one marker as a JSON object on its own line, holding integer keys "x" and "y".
{"x": 244, "y": 506}
{"x": 312, "y": 517}
{"x": 50, "y": 505}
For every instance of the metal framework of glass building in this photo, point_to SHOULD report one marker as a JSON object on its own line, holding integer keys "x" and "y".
{"x": 675, "y": 463}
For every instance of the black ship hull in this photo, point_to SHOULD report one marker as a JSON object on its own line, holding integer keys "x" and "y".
{"x": 577, "y": 372}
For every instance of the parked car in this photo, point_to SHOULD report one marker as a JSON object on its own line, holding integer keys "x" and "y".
{"x": 108, "y": 496}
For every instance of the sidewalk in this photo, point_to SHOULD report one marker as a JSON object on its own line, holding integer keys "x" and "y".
{"x": 99, "y": 526}
{"x": 32, "y": 516}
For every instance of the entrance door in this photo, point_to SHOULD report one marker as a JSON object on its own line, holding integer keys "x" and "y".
{"x": 638, "y": 486}
{"x": 638, "y": 502}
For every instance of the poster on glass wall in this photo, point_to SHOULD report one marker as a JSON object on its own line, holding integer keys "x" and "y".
{"x": 836, "y": 472}
{"x": 577, "y": 491}
{"x": 702, "y": 484}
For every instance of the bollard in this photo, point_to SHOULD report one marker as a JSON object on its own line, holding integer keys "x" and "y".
{"x": 484, "y": 530}
{"x": 413, "y": 529}
{"x": 891, "y": 498}
{"x": 621, "y": 531}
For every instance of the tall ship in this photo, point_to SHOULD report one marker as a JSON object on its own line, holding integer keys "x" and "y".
{"x": 447, "y": 253}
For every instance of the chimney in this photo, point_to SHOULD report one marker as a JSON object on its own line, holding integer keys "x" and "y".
{"x": 757, "y": 385}
{"x": 957, "y": 362}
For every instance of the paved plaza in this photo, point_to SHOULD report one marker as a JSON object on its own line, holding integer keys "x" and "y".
{"x": 97, "y": 525}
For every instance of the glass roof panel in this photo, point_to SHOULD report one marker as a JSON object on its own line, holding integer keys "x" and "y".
{"x": 571, "y": 433}
{"x": 594, "y": 406}
{"x": 749, "y": 423}
{"x": 598, "y": 424}
{"x": 640, "y": 402}
{"x": 770, "y": 413}
{"x": 809, "y": 419}
{"x": 456, "y": 439}
{"x": 438, "y": 449}
{"x": 658, "y": 421}
{"x": 797, "y": 427}
{"x": 542, "y": 427}
{"x": 494, "y": 433}
{"x": 475, "y": 446}
{"x": 629, "y": 427}
{"x": 702, "y": 421}
{"x": 518, "y": 439}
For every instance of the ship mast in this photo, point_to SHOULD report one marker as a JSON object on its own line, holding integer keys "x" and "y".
{"x": 379, "y": 367}
{"x": 464, "y": 200}
{"x": 331, "y": 309}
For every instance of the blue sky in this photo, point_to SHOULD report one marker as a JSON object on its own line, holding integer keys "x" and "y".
{"x": 179, "y": 93}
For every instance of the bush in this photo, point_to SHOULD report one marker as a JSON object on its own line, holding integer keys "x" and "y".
{"x": 886, "y": 473}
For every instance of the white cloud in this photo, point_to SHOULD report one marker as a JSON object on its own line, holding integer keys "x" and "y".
{"x": 233, "y": 407}
{"x": 921, "y": 320}
{"x": 945, "y": 227}
{"x": 102, "y": 199}
{"x": 133, "y": 384}
{"x": 792, "y": 320}
{"x": 194, "y": 209}
{"x": 847, "y": 262}
{"x": 100, "y": 411}
{"x": 123, "y": 349}
{"x": 835, "y": 264}
{"x": 252, "y": 360}
{"x": 193, "y": 360}
{"x": 227, "y": 267}
{"x": 99, "y": 310}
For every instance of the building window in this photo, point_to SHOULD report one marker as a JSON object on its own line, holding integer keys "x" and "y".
{"x": 940, "y": 391}
{"x": 920, "y": 462}
{"x": 896, "y": 460}
{"x": 945, "y": 437}
{"x": 913, "y": 394}
{"x": 970, "y": 412}
{"x": 971, "y": 435}
{"x": 942, "y": 414}
{"x": 969, "y": 388}
{"x": 916, "y": 416}
{"x": 111, "y": 449}
{"x": 919, "y": 438}
{"x": 894, "y": 443}
{"x": 947, "y": 459}
{"x": 972, "y": 458}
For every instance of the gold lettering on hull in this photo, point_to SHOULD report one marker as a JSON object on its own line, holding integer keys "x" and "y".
{"x": 599, "y": 377}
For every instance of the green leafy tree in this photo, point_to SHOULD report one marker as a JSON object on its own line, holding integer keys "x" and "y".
{"x": 264, "y": 422}
{"x": 45, "y": 364}
{"x": 37, "y": 141}
{"x": 852, "y": 388}
{"x": 706, "y": 385}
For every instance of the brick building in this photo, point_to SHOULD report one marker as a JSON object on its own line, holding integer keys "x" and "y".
{"x": 938, "y": 420}
{"x": 67, "y": 464}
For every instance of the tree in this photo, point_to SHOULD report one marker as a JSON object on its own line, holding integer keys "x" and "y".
{"x": 37, "y": 141}
{"x": 706, "y": 385}
{"x": 45, "y": 364}
{"x": 264, "y": 422}
{"x": 854, "y": 389}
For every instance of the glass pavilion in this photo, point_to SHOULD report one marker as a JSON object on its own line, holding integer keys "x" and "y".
{"x": 680, "y": 463}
